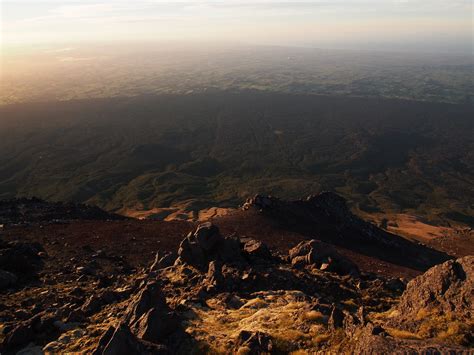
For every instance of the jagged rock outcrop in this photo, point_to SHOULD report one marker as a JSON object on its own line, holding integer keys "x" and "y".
{"x": 147, "y": 322}
{"x": 448, "y": 287}
{"x": 327, "y": 217}
{"x": 34, "y": 210}
{"x": 329, "y": 202}
{"x": 229, "y": 292}
{"x": 148, "y": 315}
{"x": 435, "y": 309}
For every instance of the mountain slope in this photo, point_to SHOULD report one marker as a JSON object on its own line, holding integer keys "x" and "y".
{"x": 214, "y": 149}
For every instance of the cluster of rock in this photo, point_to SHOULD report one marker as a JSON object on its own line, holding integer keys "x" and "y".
{"x": 206, "y": 244}
{"x": 323, "y": 256}
{"x": 440, "y": 299}
{"x": 329, "y": 202}
{"x": 158, "y": 310}
{"x": 147, "y": 322}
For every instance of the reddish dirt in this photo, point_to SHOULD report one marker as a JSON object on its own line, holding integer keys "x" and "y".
{"x": 138, "y": 240}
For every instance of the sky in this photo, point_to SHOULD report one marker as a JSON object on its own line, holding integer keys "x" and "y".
{"x": 413, "y": 25}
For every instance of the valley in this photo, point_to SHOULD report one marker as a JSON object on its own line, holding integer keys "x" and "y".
{"x": 193, "y": 152}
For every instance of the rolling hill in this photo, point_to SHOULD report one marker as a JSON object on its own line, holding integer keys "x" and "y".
{"x": 217, "y": 148}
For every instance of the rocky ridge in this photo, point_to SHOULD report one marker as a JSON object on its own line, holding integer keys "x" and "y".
{"x": 33, "y": 210}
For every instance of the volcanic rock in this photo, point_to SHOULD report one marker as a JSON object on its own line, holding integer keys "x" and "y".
{"x": 161, "y": 261}
{"x": 448, "y": 287}
{"x": 207, "y": 244}
{"x": 148, "y": 315}
{"x": 148, "y": 297}
{"x": 122, "y": 342}
{"x": 214, "y": 277}
{"x": 257, "y": 249}
{"x": 155, "y": 325}
{"x": 323, "y": 256}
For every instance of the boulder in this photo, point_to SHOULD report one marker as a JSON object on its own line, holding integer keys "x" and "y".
{"x": 31, "y": 349}
{"x": 323, "y": 256}
{"x": 122, "y": 342}
{"x": 257, "y": 249}
{"x": 207, "y": 236}
{"x": 260, "y": 203}
{"x": 207, "y": 244}
{"x": 155, "y": 325}
{"x": 38, "y": 327}
{"x": 148, "y": 297}
{"x": 448, "y": 287}
{"x": 22, "y": 334}
{"x": 148, "y": 316}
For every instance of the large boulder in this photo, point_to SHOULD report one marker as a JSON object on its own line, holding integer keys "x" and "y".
{"x": 446, "y": 288}
{"x": 207, "y": 244}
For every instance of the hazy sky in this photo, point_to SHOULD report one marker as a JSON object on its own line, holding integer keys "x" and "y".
{"x": 427, "y": 25}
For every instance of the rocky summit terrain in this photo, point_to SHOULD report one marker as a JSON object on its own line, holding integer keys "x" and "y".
{"x": 273, "y": 277}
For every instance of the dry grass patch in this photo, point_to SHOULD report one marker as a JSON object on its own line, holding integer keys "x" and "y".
{"x": 322, "y": 338}
{"x": 402, "y": 334}
{"x": 284, "y": 315}
{"x": 315, "y": 316}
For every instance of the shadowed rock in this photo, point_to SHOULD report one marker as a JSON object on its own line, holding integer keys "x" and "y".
{"x": 148, "y": 315}
{"x": 254, "y": 343}
{"x": 121, "y": 341}
{"x": 257, "y": 249}
{"x": 207, "y": 244}
{"x": 323, "y": 256}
